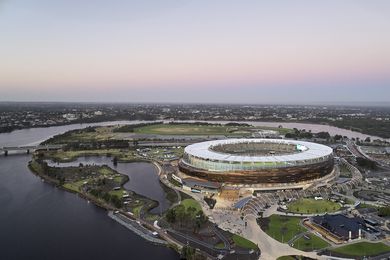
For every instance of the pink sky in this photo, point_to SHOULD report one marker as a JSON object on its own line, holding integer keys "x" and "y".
{"x": 143, "y": 50}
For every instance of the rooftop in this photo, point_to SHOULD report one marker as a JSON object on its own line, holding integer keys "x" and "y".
{"x": 340, "y": 225}
{"x": 307, "y": 151}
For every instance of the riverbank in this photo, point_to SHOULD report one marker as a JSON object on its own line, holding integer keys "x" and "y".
{"x": 135, "y": 227}
{"x": 33, "y": 167}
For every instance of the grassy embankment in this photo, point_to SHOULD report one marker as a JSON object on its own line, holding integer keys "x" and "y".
{"x": 362, "y": 249}
{"x": 243, "y": 242}
{"x": 290, "y": 257}
{"x": 312, "y": 206}
{"x": 187, "y": 203}
{"x": 281, "y": 228}
{"x": 85, "y": 135}
{"x": 310, "y": 242}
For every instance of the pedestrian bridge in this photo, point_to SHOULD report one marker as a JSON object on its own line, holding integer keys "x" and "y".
{"x": 28, "y": 148}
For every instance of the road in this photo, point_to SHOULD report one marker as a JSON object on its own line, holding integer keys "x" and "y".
{"x": 357, "y": 151}
{"x": 222, "y": 237}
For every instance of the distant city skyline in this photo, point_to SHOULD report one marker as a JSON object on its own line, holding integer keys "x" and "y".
{"x": 248, "y": 52}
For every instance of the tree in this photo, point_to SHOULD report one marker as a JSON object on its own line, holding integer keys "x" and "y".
{"x": 191, "y": 212}
{"x": 180, "y": 211}
{"x": 200, "y": 219}
{"x": 117, "y": 202}
{"x": 323, "y": 135}
{"x": 115, "y": 160}
{"x": 363, "y": 162}
{"x": 106, "y": 197}
{"x": 384, "y": 211}
{"x": 171, "y": 216}
{"x": 187, "y": 252}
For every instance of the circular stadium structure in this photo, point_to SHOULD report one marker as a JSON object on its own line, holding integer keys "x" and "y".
{"x": 257, "y": 161}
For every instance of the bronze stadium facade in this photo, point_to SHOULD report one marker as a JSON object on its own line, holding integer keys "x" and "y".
{"x": 257, "y": 161}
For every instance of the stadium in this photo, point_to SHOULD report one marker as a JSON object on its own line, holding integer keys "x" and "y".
{"x": 257, "y": 161}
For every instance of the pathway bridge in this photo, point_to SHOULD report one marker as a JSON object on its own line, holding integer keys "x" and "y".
{"x": 29, "y": 148}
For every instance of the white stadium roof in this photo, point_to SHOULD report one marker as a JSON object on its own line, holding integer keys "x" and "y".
{"x": 310, "y": 151}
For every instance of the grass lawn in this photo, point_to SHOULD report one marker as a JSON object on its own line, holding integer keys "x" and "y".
{"x": 364, "y": 205}
{"x": 312, "y": 206}
{"x": 220, "y": 245}
{"x": 193, "y": 129}
{"x": 67, "y": 156}
{"x": 285, "y": 257}
{"x": 362, "y": 249}
{"x": 107, "y": 171}
{"x": 83, "y": 135}
{"x": 243, "y": 242}
{"x": 118, "y": 193}
{"x": 183, "y": 129}
{"x": 118, "y": 179}
{"x": 311, "y": 244}
{"x": 289, "y": 257}
{"x": 283, "y": 228}
{"x": 191, "y": 203}
{"x": 74, "y": 186}
{"x": 136, "y": 210}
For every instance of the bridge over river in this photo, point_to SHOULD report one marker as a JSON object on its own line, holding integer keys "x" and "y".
{"x": 28, "y": 148}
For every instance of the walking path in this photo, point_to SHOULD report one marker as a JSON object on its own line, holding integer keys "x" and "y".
{"x": 271, "y": 248}
{"x": 136, "y": 228}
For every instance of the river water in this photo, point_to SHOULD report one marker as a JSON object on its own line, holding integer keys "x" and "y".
{"x": 39, "y": 221}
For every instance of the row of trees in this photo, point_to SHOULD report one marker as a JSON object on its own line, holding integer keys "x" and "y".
{"x": 363, "y": 162}
{"x": 190, "y": 217}
{"x": 384, "y": 211}
{"x": 189, "y": 253}
{"x": 107, "y": 197}
{"x": 41, "y": 167}
{"x": 131, "y": 128}
{"x": 306, "y": 134}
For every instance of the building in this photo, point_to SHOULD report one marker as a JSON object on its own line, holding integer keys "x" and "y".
{"x": 200, "y": 186}
{"x": 257, "y": 161}
{"x": 340, "y": 226}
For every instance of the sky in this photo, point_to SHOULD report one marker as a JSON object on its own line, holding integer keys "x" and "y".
{"x": 212, "y": 51}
